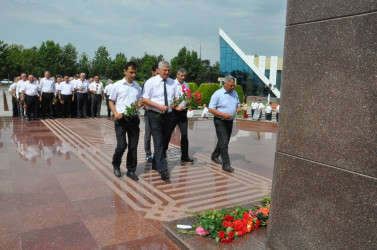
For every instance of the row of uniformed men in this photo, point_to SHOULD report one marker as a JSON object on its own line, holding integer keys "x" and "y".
{"x": 57, "y": 97}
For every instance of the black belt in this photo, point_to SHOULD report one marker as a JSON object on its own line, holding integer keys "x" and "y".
{"x": 96, "y": 94}
{"x": 222, "y": 119}
{"x": 162, "y": 113}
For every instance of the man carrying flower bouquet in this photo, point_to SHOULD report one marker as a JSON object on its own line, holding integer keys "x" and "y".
{"x": 224, "y": 105}
{"x": 159, "y": 94}
{"x": 179, "y": 114}
{"x": 97, "y": 96}
{"x": 66, "y": 96}
{"x": 124, "y": 94}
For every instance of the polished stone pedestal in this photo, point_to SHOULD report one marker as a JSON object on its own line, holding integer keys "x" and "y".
{"x": 325, "y": 176}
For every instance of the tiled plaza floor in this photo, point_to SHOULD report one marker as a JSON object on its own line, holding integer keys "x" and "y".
{"x": 57, "y": 188}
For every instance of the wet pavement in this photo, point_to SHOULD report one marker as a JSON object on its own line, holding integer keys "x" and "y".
{"x": 57, "y": 188}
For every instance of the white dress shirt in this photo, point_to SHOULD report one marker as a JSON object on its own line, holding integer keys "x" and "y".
{"x": 255, "y": 105}
{"x": 268, "y": 109}
{"x": 179, "y": 91}
{"x": 205, "y": 112}
{"x": 31, "y": 89}
{"x": 84, "y": 84}
{"x": 108, "y": 88}
{"x": 278, "y": 108}
{"x": 66, "y": 88}
{"x": 154, "y": 91}
{"x": 57, "y": 88}
{"x": 190, "y": 113}
{"x": 124, "y": 94}
{"x": 98, "y": 87}
{"x": 12, "y": 87}
{"x": 20, "y": 83}
{"x": 47, "y": 85}
{"x": 260, "y": 106}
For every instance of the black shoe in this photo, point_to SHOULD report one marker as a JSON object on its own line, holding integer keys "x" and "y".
{"x": 186, "y": 159}
{"x": 216, "y": 160}
{"x": 51, "y": 117}
{"x": 165, "y": 176}
{"x": 133, "y": 176}
{"x": 228, "y": 169}
{"x": 98, "y": 116}
{"x": 28, "y": 119}
{"x": 117, "y": 171}
{"x": 37, "y": 119}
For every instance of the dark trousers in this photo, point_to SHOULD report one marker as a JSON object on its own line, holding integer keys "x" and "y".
{"x": 147, "y": 136}
{"x": 15, "y": 106}
{"x": 131, "y": 128}
{"x": 82, "y": 100}
{"x": 277, "y": 117}
{"x": 260, "y": 115}
{"x": 160, "y": 127}
{"x": 108, "y": 108}
{"x": 32, "y": 103}
{"x": 268, "y": 116}
{"x": 66, "y": 107}
{"x": 57, "y": 107}
{"x": 96, "y": 105}
{"x": 47, "y": 104}
{"x": 223, "y": 132}
{"x": 74, "y": 105}
{"x": 180, "y": 118}
{"x": 252, "y": 113}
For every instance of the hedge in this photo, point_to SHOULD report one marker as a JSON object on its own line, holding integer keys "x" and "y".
{"x": 238, "y": 89}
{"x": 193, "y": 86}
{"x": 207, "y": 91}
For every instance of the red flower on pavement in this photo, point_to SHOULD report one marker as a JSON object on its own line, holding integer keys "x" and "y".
{"x": 238, "y": 225}
{"x": 231, "y": 235}
{"x": 229, "y": 218}
{"x": 225, "y": 240}
{"x": 221, "y": 234}
{"x": 257, "y": 224}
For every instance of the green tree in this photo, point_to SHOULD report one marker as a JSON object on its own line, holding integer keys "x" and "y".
{"x": 207, "y": 90}
{"x": 68, "y": 62}
{"x": 238, "y": 89}
{"x": 84, "y": 64}
{"x": 115, "y": 71}
{"x": 48, "y": 58}
{"x": 191, "y": 62}
{"x": 101, "y": 62}
{"x": 28, "y": 60}
{"x": 14, "y": 60}
{"x": 145, "y": 65}
{"x": 4, "y": 51}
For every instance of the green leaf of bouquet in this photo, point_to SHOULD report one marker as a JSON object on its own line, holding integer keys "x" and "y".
{"x": 217, "y": 239}
{"x": 229, "y": 229}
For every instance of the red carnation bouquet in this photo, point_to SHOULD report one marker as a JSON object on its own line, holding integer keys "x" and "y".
{"x": 226, "y": 225}
{"x": 24, "y": 105}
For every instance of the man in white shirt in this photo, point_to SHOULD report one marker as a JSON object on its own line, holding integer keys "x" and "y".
{"x": 107, "y": 92}
{"x": 260, "y": 108}
{"x": 97, "y": 95}
{"x": 74, "y": 103}
{"x": 47, "y": 86}
{"x": 66, "y": 95}
{"x": 81, "y": 88}
{"x": 12, "y": 91}
{"x": 124, "y": 93}
{"x": 29, "y": 93}
{"x": 57, "y": 107}
{"x": 159, "y": 92}
{"x": 205, "y": 112}
{"x": 20, "y": 83}
{"x": 268, "y": 112}
{"x": 277, "y": 112}
{"x": 253, "y": 107}
{"x": 179, "y": 115}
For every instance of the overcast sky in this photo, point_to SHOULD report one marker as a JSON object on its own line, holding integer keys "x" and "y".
{"x": 137, "y": 26}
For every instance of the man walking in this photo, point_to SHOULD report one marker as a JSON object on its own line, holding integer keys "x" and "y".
{"x": 224, "y": 105}
{"x": 66, "y": 96}
{"x": 47, "y": 86}
{"x": 179, "y": 116}
{"x": 147, "y": 130}
{"x": 29, "y": 93}
{"x": 97, "y": 95}
{"x": 81, "y": 88}
{"x": 124, "y": 93}
{"x": 159, "y": 93}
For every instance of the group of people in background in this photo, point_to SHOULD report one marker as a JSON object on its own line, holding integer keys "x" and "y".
{"x": 60, "y": 97}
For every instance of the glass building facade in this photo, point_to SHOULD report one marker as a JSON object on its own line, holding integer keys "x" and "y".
{"x": 232, "y": 64}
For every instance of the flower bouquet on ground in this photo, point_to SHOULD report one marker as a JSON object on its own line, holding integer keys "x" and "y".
{"x": 132, "y": 110}
{"x": 227, "y": 225}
